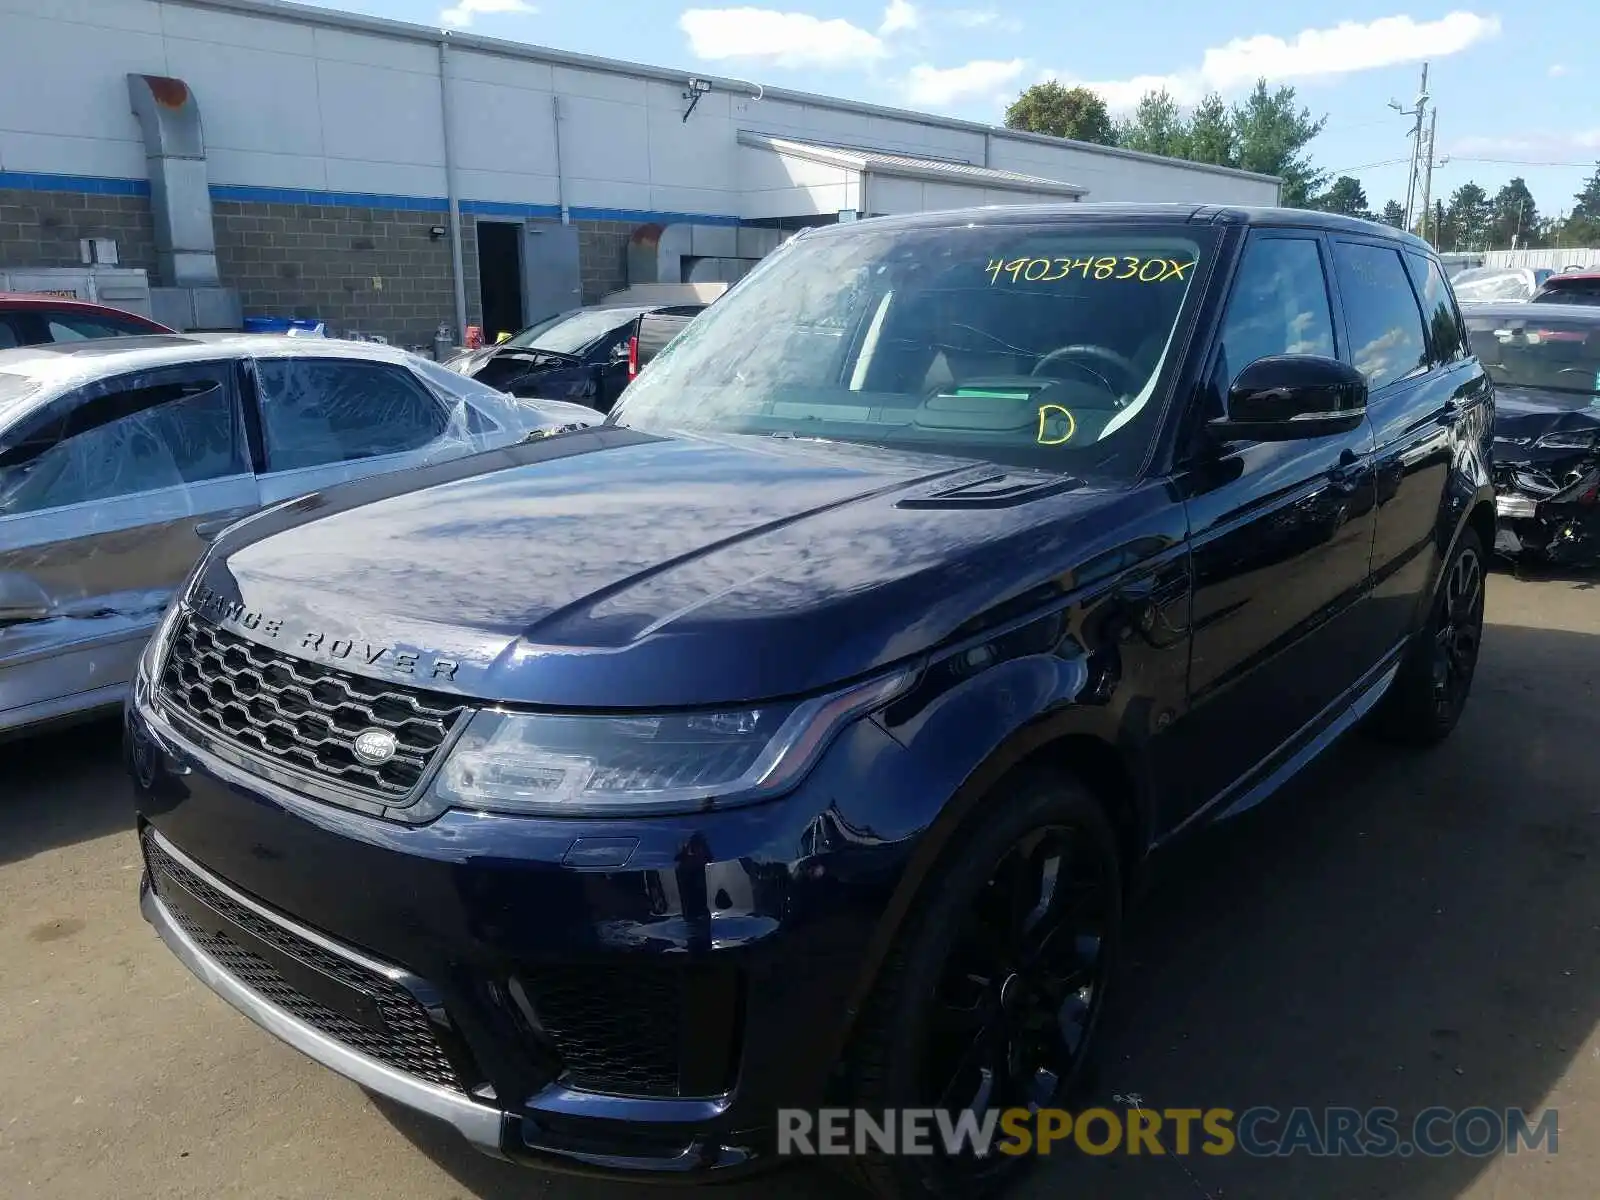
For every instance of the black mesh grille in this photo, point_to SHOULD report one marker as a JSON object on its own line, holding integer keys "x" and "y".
{"x": 410, "y": 1044}
{"x": 304, "y": 714}
{"x": 616, "y": 1029}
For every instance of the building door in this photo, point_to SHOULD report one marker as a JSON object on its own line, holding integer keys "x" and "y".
{"x": 500, "y": 277}
{"x": 551, "y": 280}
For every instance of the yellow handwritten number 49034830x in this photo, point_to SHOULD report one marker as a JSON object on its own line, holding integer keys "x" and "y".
{"x": 1102, "y": 267}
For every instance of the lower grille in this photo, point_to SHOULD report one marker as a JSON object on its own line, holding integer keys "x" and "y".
{"x": 616, "y": 1029}
{"x": 304, "y": 714}
{"x": 405, "y": 1039}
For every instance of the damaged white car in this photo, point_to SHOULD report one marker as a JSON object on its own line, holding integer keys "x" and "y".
{"x": 121, "y": 458}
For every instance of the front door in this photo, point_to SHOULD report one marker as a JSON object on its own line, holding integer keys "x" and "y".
{"x": 107, "y": 498}
{"x": 1281, "y": 541}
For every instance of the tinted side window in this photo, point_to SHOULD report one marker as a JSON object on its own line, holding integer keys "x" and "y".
{"x": 124, "y": 442}
{"x": 1388, "y": 340}
{"x": 319, "y": 411}
{"x": 72, "y": 327}
{"x": 10, "y": 335}
{"x": 1446, "y": 334}
{"x": 1279, "y": 305}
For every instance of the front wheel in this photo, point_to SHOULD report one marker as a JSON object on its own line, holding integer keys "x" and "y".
{"x": 1427, "y": 697}
{"x": 991, "y": 999}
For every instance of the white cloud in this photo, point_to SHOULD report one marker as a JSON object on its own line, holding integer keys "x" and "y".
{"x": 778, "y": 38}
{"x": 937, "y": 87}
{"x": 1311, "y": 54}
{"x": 898, "y": 17}
{"x": 1576, "y": 146}
{"x": 460, "y": 15}
{"x": 1557, "y": 70}
{"x": 982, "y": 18}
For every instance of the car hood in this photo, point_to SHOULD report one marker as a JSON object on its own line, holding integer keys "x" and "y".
{"x": 612, "y": 568}
{"x": 1523, "y": 415}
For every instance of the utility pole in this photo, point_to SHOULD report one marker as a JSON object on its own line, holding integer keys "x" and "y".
{"x": 1427, "y": 176}
{"x": 1416, "y": 143}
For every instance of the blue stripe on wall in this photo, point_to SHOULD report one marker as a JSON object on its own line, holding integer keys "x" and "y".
{"x": 34, "y": 182}
{"x": 24, "y": 181}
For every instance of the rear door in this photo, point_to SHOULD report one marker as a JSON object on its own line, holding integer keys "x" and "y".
{"x": 107, "y": 498}
{"x": 1421, "y": 382}
{"x": 328, "y": 420}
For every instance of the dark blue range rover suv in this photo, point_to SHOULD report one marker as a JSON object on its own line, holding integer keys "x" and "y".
{"x": 796, "y": 736}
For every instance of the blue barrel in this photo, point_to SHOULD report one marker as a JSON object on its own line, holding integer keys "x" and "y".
{"x": 280, "y": 324}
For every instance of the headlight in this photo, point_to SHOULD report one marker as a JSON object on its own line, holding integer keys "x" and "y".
{"x": 156, "y": 648}
{"x": 1572, "y": 439}
{"x": 561, "y": 765}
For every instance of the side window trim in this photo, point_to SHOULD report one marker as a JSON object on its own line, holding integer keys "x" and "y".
{"x": 1285, "y": 234}
{"x": 442, "y": 411}
{"x": 1191, "y": 413}
{"x": 1378, "y": 243}
{"x": 61, "y": 409}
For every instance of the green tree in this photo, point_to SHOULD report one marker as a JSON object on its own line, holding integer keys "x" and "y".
{"x": 1471, "y": 213}
{"x": 1439, "y": 229}
{"x": 1514, "y": 217}
{"x": 1272, "y": 135}
{"x": 1211, "y": 133}
{"x": 1582, "y": 226}
{"x": 1158, "y": 126}
{"x": 1394, "y": 213}
{"x": 1062, "y": 112}
{"x": 1346, "y": 196}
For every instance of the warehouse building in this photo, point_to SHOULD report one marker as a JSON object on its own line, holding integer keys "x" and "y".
{"x": 266, "y": 159}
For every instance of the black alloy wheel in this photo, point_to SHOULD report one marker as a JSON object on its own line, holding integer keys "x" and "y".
{"x": 991, "y": 998}
{"x": 1459, "y": 631}
{"x": 1430, "y": 691}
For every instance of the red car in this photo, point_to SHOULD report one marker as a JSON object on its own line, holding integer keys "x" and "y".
{"x": 31, "y": 319}
{"x": 1570, "y": 287}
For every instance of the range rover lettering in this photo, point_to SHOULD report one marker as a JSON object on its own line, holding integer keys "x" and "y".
{"x": 805, "y": 726}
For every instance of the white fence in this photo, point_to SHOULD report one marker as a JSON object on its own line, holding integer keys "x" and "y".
{"x": 1555, "y": 260}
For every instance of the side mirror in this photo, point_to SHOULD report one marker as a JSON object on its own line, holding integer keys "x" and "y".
{"x": 1285, "y": 397}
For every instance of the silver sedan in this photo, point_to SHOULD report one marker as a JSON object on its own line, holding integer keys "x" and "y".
{"x": 120, "y": 458}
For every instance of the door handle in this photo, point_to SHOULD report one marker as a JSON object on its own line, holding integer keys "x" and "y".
{"x": 1348, "y": 473}
{"x": 1448, "y": 411}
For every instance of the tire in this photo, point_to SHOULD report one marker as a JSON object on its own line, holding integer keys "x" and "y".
{"x": 1427, "y": 697}
{"x": 902, "y": 1045}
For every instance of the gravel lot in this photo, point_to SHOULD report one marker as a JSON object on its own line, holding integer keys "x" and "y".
{"x": 1395, "y": 930}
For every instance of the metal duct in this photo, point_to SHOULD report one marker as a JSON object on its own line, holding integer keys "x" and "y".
{"x": 180, "y": 198}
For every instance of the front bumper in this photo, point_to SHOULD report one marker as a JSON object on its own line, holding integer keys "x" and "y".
{"x": 521, "y": 979}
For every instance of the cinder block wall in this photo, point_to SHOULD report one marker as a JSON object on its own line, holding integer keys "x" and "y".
{"x": 366, "y": 270}
{"x": 42, "y": 229}
{"x": 363, "y": 270}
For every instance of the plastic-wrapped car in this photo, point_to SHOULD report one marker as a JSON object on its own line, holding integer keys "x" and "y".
{"x": 121, "y": 457}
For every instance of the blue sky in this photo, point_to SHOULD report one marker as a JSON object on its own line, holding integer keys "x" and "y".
{"x": 1515, "y": 86}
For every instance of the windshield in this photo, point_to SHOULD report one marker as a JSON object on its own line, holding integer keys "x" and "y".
{"x": 573, "y": 332}
{"x": 1489, "y": 283}
{"x": 1538, "y": 352}
{"x": 1033, "y": 346}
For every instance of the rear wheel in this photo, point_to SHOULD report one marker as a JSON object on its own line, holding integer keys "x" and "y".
{"x": 1427, "y": 697}
{"x": 992, "y": 998}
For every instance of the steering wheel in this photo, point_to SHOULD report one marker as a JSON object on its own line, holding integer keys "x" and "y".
{"x": 1098, "y": 354}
